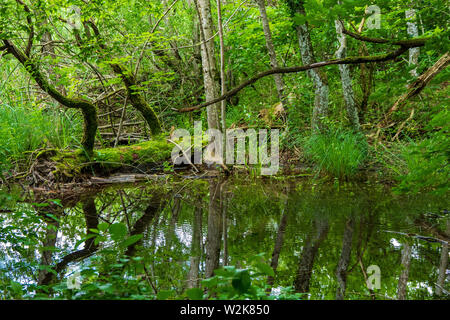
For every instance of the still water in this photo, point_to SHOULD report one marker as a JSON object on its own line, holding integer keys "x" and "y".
{"x": 159, "y": 239}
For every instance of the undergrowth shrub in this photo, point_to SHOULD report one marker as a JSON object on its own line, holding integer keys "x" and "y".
{"x": 427, "y": 161}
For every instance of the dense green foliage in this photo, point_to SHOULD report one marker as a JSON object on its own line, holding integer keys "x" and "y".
{"x": 93, "y": 87}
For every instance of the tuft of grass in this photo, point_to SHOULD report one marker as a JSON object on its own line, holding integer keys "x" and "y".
{"x": 339, "y": 153}
{"x": 25, "y": 128}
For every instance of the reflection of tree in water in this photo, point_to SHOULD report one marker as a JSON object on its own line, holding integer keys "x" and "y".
{"x": 91, "y": 218}
{"x": 198, "y": 228}
{"x": 312, "y": 243}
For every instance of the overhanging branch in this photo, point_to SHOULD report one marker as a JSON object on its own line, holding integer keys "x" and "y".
{"x": 349, "y": 60}
{"x": 405, "y": 45}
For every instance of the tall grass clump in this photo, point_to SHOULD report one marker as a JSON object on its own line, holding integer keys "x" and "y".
{"x": 337, "y": 152}
{"x": 25, "y": 128}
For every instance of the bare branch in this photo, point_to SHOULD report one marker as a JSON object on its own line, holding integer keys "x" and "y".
{"x": 409, "y": 43}
{"x": 349, "y": 60}
{"x": 30, "y": 25}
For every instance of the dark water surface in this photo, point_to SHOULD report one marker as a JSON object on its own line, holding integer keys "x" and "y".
{"x": 321, "y": 240}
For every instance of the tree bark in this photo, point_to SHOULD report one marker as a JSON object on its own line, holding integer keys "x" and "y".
{"x": 213, "y": 239}
{"x": 319, "y": 78}
{"x": 279, "y": 82}
{"x": 341, "y": 272}
{"x": 209, "y": 62}
{"x": 413, "y": 31}
{"x": 346, "y": 79}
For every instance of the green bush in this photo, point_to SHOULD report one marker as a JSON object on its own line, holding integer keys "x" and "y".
{"x": 427, "y": 161}
{"x": 337, "y": 152}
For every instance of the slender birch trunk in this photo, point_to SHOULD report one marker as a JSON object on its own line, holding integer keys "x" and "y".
{"x": 223, "y": 88}
{"x": 346, "y": 79}
{"x": 209, "y": 62}
{"x": 279, "y": 82}
{"x": 319, "y": 78}
{"x": 413, "y": 31}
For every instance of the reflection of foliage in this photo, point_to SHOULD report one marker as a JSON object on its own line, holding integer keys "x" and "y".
{"x": 159, "y": 264}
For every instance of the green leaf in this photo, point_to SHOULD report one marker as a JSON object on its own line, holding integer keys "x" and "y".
{"x": 241, "y": 281}
{"x": 16, "y": 287}
{"x": 103, "y": 226}
{"x": 164, "y": 294}
{"x": 195, "y": 294}
{"x": 265, "y": 269}
{"x": 132, "y": 239}
{"x": 118, "y": 231}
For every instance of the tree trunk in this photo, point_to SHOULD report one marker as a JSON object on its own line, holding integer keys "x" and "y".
{"x": 413, "y": 31}
{"x": 318, "y": 76}
{"x": 223, "y": 88}
{"x": 209, "y": 62}
{"x": 403, "y": 280}
{"x": 341, "y": 272}
{"x": 346, "y": 79}
{"x": 87, "y": 108}
{"x": 279, "y": 82}
{"x": 213, "y": 239}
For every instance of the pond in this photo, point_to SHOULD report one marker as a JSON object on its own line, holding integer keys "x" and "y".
{"x": 251, "y": 238}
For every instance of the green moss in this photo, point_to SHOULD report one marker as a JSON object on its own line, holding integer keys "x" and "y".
{"x": 68, "y": 164}
{"x": 153, "y": 151}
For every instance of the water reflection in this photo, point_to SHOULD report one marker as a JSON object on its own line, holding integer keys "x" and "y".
{"x": 319, "y": 241}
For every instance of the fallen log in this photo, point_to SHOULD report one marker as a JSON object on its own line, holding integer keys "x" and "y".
{"x": 56, "y": 166}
